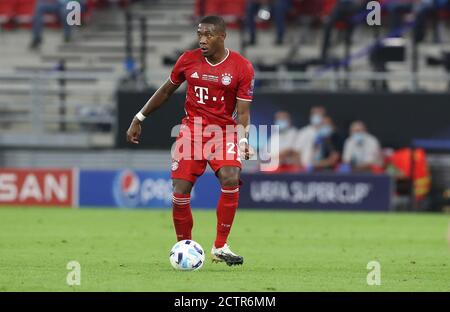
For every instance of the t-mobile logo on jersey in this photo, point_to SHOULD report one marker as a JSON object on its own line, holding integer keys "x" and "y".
{"x": 202, "y": 94}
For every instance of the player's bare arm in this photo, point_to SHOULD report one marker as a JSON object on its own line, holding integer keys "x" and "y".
{"x": 156, "y": 101}
{"x": 243, "y": 121}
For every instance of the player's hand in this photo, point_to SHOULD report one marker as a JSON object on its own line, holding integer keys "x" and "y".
{"x": 246, "y": 150}
{"x": 134, "y": 131}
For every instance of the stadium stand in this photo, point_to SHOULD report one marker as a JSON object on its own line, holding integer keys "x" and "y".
{"x": 64, "y": 96}
{"x": 99, "y": 49}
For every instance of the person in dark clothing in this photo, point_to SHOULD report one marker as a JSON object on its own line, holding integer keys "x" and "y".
{"x": 327, "y": 146}
{"x": 57, "y": 7}
{"x": 279, "y": 9}
{"x": 424, "y": 10}
{"x": 396, "y": 10}
{"x": 343, "y": 11}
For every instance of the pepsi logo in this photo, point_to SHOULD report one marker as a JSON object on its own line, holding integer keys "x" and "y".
{"x": 129, "y": 182}
{"x": 127, "y": 188}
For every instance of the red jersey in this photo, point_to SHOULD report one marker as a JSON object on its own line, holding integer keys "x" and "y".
{"x": 212, "y": 90}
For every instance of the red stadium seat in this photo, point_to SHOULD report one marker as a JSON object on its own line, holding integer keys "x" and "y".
{"x": 22, "y": 12}
{"x": 340, "y": 25}
{"x": 7, "y": 8}
{"x": 309, "y": 7}
{"x": 232, "y": 11}
{"x": 7, "y": 12}
{"x": 106, "y": 3}
{"x": 327, "y": 7}
{"x": 90, "y": 7}
{"x": 444, "y": 14}
{"x": 25, "y": 11}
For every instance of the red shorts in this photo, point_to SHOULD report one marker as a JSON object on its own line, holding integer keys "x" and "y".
{"x": 190, "y": 156}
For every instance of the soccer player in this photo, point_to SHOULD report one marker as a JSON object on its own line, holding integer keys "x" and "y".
{"x": 219, "y": 94}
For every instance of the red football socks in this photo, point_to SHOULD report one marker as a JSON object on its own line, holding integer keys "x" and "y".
{"x": 226, "y": 209}
{"x": 182, "y": 216}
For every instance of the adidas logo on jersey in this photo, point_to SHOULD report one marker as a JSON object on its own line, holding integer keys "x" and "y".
{"x": 194, "y": 75}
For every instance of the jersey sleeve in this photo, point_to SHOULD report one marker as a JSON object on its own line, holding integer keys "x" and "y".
{"x": 246, "y": 83}
{"x": 177, "y": 75}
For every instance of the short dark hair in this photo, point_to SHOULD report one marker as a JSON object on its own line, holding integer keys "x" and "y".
{"x": 214, "y": 20}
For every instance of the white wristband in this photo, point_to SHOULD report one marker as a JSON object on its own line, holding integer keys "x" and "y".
{"x": 140, "y": 116}
{"x": 243, "y": 140}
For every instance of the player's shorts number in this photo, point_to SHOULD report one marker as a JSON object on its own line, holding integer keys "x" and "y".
{"x": 230, "y": 148}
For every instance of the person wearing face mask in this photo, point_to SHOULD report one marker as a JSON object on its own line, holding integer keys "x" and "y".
{"x": 327, "y": 146}
{"x": 307, "y": 137}
{"x": 362, "y": 151}
{"x": 288, "y": 157}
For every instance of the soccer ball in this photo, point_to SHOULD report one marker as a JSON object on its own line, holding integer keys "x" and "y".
{"x": 187, "y": 255}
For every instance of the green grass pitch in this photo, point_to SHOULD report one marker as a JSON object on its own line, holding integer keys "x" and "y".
{"x": 127, "y": 250}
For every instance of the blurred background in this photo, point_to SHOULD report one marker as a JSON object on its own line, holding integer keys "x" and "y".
{"x": 362, "y": 101}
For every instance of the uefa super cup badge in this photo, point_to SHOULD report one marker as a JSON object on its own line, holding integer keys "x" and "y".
{"x": 226, "y": 79}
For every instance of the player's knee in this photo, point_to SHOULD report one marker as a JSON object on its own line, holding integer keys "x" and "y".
{"x": 229, "y": 177}
{"x": 230, "y": 181}
{"x": 181, "y": 186}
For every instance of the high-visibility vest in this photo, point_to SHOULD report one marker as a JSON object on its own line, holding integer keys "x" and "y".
{"x": 401, "y": 159}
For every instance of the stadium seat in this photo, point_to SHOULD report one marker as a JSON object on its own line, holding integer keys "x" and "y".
{"x": 232, "y": 11}
{"x": 25, "y": 11}
{"x": 88, "y": 10}
{"x": 21, "y": 13}
{"x": 327, "y": 7}
{"x": 7, "y": 12}
{"x": 106, "y": 3}
{"x": 444, "y": 14}
{"x": 308, "y": 7}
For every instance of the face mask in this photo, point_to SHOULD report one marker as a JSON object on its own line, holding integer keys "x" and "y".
{"x": 282, "y": 123}
{"x": 358, "y": 137}
{"x": 325, "y": 131}
{"x": 316, "y": 119}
